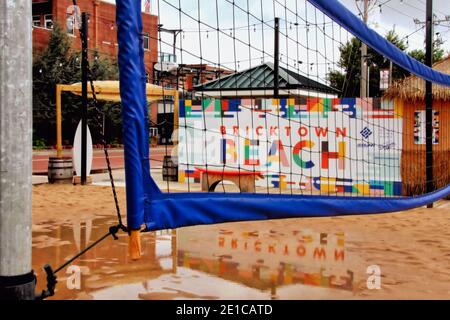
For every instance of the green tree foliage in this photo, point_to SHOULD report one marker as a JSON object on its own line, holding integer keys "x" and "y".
{"x": 348, "y": 80}
{"x": 59, "y": 64}
{"x": 438, "y": 53}
{"x": 350, "y": 56}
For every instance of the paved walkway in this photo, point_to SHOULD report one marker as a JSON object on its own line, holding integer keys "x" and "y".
{"x": 40, "y": 159}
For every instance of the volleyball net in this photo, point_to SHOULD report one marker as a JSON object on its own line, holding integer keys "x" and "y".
{"x": 270, "y": 119}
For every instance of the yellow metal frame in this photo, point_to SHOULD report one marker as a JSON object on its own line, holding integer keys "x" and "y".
{"x": 110, "y": 91}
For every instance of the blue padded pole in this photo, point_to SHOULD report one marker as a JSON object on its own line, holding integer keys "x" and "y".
{"x": 134, "y": 112}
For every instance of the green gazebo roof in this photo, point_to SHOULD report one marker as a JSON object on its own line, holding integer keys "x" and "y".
{"x": 262, "y": 78}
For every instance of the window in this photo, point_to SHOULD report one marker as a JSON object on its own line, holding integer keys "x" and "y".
{"x": 195, "y": 80}
{"x": 48, "y": 21}
{"x": 146, "y": 42}
{"x": 70, "y": 21}
{"x": 36, "y": 21}
{"x": 165, "y": 107}
{"x": 153, "y": 132}
{"x": 167, "y": 57}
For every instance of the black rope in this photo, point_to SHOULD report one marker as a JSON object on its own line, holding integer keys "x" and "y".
{"x": 51, "y": 274}
{"x": 113, "y": 230}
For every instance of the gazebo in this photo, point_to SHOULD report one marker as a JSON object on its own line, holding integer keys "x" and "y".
{"x": 259, "y": 82}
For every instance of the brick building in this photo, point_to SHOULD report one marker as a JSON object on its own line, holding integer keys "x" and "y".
{"x": 102, "y": 27}
{"x": 102, "y": 36}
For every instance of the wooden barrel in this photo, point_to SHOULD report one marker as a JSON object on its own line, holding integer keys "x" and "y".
{"x": 60, "y": 170}
{"x": 170, "y": 169}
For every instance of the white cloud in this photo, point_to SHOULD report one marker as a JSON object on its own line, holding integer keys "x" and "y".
{"x": 212, "y": 46}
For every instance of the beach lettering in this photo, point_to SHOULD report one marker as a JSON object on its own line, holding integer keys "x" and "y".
{"x": 325, "y": 247}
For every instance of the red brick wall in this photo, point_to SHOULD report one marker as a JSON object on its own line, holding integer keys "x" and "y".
{"x": 102, "y": 29}
{"x": 153, "y": 112}
{"x": 40, "y": 39}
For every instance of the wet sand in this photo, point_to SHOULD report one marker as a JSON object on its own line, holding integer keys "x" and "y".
{"x": 59, "y": 203}
{"x": 324, "y": 258}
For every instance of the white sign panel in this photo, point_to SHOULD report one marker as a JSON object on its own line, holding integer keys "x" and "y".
{"x": 328, "y": 145}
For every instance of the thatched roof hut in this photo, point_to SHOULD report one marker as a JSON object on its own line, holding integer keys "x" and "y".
{"x": 413, "y": 88}
{"x": 409, "y": 94}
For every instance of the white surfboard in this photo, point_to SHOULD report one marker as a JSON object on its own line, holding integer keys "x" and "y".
{"x": 76, "y": 151}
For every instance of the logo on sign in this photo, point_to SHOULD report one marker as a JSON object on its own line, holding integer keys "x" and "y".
{"x": 366, "y": 133}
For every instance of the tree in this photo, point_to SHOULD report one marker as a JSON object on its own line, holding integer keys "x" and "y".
{"x": 58, "y": 64}
{"x": 55, "y": 65}
{"x": 438, "y": 52}
{"x": 350, "y": 61}
{"x": 348, "y": 81}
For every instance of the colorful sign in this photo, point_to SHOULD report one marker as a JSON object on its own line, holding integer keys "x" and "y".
{"x": 346, "y": 145}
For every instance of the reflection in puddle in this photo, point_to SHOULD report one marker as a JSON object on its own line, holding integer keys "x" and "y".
{"x": 265, "y": 261}
{"x": 213, "y": 262}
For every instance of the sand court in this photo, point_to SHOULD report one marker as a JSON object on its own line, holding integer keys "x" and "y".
{"x": 411, "y": 248}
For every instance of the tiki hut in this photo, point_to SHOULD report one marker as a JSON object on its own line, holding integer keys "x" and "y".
{"x": 409, "y": 95}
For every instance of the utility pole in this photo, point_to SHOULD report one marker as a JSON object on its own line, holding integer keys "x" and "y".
{"x": 175, "y": 33}
{"x": 84, "y": 94}
{"x": 276, "y": 62}
{"x": 429, "y": 100}
{"x": 16, "y": 275}
{"x": 436, "y": 21}
{"x": 391, "y": 70}
{"x": 364, "y": 78}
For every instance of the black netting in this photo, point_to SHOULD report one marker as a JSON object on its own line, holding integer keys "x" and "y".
{"x": 318, "y": 136}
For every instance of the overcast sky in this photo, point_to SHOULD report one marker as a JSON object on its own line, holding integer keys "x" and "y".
{"x": 322, "y": 52}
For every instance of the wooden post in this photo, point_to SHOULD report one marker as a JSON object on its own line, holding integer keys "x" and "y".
{"x": 364, "y": 77}
{"x": 174, "y": 252}
{"x": 59, "y": 147}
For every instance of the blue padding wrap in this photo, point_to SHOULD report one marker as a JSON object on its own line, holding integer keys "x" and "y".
{"x": 178, "y": 210}
{"x": 140, "y": 187}
{"x": 345, "y": 18}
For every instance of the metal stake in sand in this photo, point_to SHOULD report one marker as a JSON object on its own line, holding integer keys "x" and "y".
{"x": 16, "y": 277}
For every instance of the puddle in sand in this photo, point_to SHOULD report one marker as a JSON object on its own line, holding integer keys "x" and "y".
{"x": 234, "y": 261}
